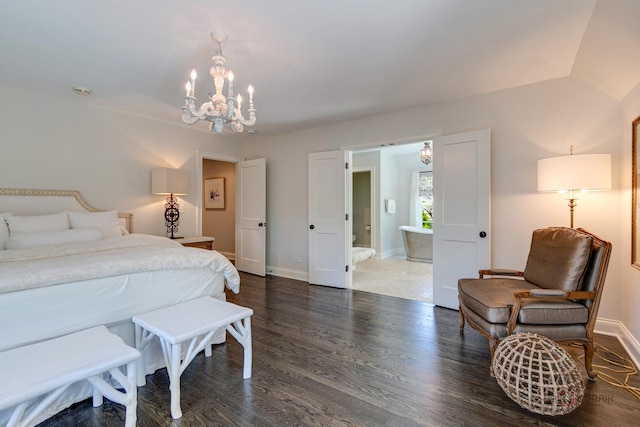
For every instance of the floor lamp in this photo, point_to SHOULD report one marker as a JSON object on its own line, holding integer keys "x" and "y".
{"x": 170, "y": 182}
{"x": 573, "y": 174}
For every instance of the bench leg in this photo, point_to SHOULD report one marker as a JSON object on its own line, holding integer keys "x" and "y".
{"x": 132, "y": 395}
{"x": 141, "y": 380}
{"x": 98, "y": 399}
{"x": 128, "y": 397}
{"x": 176, "y": 364}
{"x": 142, "y": 339}
{"x": 173, "y": 368}
{"x": 207, "y": 349}
{"x": 241, "y": 331}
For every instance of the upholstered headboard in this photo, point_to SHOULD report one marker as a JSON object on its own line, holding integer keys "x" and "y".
{"x": 40, "y": 202}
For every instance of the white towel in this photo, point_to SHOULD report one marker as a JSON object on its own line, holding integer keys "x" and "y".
{"x": 390, "y": 205}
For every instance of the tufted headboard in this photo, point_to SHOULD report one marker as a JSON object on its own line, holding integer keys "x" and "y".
{"x": 41, "y": 202}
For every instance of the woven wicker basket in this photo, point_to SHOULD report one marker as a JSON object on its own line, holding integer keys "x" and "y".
{"x": 538, "y": 374}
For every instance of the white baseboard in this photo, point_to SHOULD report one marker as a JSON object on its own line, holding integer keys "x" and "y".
{"x": 617, "y": 329}
{"x": 288, "y": 273}
{"x": 390, "y": 253}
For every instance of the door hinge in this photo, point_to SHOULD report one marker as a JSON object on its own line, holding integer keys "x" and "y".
{"x": 346, "y": 268}
{"x": 346, "y": 165}
{"x": 346, "y": 217}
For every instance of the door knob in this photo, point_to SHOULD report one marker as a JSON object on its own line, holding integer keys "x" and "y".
{"x": 311, "y": 227}
{"x": 483, "y": 234}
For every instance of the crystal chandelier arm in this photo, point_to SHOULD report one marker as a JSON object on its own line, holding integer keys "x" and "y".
{"x": 252, "y": 118}
{"x": 189, "y": 119}
{"x": 190, "y": 108}
{"x": 190, "y": 115}
{"x": 252, "y": 111}
{"x": 236, "y": 126}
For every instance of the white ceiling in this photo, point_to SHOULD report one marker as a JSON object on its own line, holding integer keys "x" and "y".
{"x": 315, "y": 62}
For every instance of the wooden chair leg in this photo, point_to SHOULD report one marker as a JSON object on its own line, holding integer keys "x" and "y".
{"x": 461, "y": 319}
{"x": 589, "y": 349}
{"x": 493, "y": 344}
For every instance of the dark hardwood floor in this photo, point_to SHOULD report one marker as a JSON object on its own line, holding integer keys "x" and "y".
{"x": 335, "y": 357}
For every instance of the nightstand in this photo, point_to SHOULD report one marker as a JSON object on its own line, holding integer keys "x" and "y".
{"x": 202, "y": 242}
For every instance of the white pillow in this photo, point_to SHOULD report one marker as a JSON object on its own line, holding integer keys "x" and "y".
{"x": 105, "y": 221}
{"x": 4, "y": 232}
{"x": 36, "y": 223}
{"x": 123, "y": 226}
{"x": 49, "y": 238}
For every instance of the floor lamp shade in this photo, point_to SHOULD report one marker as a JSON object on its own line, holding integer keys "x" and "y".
{"x": 575, "y": 173}
{"x": 167, "y": 181}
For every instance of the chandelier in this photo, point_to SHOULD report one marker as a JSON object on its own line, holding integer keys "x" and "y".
{"x": 219, "y": 110}
{"x": 426, "y": 155}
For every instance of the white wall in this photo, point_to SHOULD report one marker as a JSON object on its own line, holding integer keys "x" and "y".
{"x": 527, "y": 124}
{"x": 629, "y": 295}
{"x": 66, "y": 144}
{"x": 388, "y": 190}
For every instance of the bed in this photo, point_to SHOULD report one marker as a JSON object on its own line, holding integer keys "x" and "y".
{"x": 56, "y": 280}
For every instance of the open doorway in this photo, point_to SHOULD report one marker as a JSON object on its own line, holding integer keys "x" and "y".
{"x": 389, "y": 170}
{"x": 219, "y": 219}
{"x": 244, "y": 230}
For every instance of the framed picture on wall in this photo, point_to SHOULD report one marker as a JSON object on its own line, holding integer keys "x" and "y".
{"x": 214, "y": 196}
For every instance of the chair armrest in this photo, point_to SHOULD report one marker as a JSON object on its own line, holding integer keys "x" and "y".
{"x": 537, "y": 293}
{"x": 499, "y": 272}
{"x": 553, "y": 294}
{"x": 543, "y": 294}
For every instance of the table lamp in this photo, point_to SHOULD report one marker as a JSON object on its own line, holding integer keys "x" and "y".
{"x": 171, "y": 182}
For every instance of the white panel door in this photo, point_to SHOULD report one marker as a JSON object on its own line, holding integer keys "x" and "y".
{"x": 462, "y": 217}
{"x": 328, "y": 221}
{"x": 251, "y": 216}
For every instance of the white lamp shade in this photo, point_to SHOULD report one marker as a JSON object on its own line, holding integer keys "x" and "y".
{"x": 577, "y": 172}
{"x": 169, "y": 181}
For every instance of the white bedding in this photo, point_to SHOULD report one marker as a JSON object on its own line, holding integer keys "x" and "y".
{"x": 22, "y": 269}
{"x": 37, "y": 314}
{"x": 46, "y": 293}
{"x": 50, "y": 291}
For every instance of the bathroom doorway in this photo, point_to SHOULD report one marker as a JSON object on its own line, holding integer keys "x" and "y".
{"x": 386, "y": 271}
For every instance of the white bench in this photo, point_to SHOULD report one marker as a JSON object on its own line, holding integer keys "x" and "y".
{"x": 195, "y": 321}
{"x": 34, "y": 376}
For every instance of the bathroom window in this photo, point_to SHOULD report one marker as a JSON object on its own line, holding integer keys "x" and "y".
{"x": 425, "y": 192}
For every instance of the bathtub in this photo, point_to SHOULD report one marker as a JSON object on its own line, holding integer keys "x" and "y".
{"x": 418, "y": 243}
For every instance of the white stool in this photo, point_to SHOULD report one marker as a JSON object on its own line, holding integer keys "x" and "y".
{"x": 47, "y": 368}
{"x": 196, "y": 320}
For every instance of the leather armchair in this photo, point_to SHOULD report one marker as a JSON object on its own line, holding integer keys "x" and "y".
{"x": 557, "y": 295}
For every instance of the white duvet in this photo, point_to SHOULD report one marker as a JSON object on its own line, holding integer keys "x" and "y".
{"x": 22, "y": 269}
